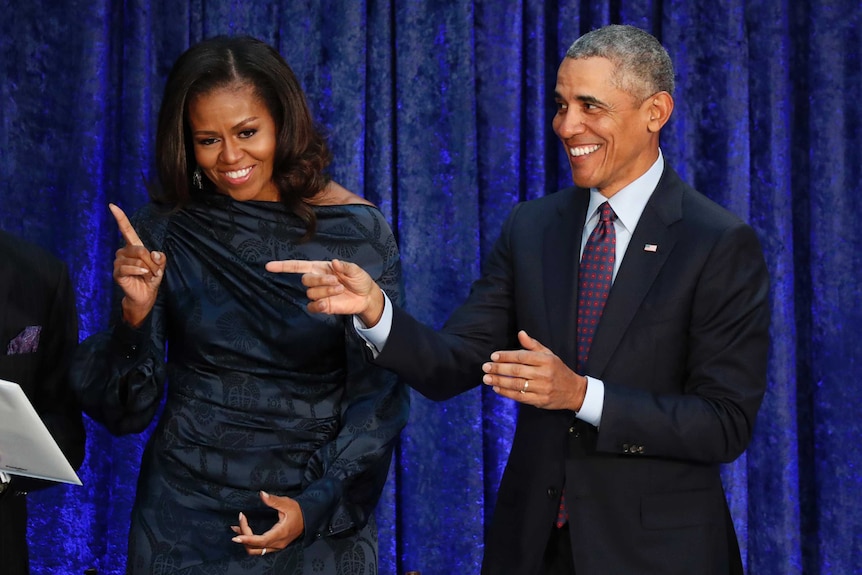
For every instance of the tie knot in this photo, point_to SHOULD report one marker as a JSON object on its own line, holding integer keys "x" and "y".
{"x": 606, "y": 213}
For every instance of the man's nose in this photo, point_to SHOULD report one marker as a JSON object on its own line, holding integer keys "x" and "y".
{"x": 570, "y": 124}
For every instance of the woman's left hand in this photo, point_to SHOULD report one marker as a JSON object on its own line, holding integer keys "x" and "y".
{"x": 288, "y": 528}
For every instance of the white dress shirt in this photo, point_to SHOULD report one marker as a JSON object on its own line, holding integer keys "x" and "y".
{"x": 628, "y": 205}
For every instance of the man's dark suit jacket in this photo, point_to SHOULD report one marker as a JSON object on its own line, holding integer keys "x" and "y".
{"x": 682, "y": 350}
{"x": 35, "y": 291}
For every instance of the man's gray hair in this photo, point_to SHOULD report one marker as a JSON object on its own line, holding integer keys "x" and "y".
{"x": 642, "y": 65}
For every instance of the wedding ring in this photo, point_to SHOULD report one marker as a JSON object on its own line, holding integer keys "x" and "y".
{"x": 526, "y": 385}
{"x": 263, "y": 552}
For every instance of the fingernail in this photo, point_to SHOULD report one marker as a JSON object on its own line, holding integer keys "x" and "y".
{"x": 157, "y": 256}
{"x": 240, "y": 516}
{"x": 236, "y": 540}
{"x": 264, "y": 493}
{"x": 486, "y": 367}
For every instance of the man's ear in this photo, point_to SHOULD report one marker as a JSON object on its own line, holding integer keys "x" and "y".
{"x": 659, "y": 106}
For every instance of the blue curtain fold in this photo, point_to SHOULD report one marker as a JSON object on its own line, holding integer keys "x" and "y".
{"x": 440, "y": 113}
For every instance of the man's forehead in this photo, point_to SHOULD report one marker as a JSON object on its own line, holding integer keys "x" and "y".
{"x": 592, "y": 64}
{"x": 584, "y": 73}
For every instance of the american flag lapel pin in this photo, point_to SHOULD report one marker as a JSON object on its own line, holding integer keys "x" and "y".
{"x": 650, "y": 248}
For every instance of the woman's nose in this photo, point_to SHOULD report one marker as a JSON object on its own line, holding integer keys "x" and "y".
{"x": 231, "y": 152}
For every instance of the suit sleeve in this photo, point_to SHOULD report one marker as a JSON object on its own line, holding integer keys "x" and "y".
{"x": 54, "y": 399}
{"x": 57, "y": 404}
{"x": 711, "y": 365}
{"x": 442, "y": 364}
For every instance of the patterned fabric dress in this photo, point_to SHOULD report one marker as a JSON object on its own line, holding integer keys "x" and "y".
{"x": 260, "y": 395}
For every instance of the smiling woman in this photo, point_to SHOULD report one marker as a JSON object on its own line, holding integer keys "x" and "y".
{"x": 231, "y": 104}
{"x": 276, "y": 437}
{"x": 234, "y": 142}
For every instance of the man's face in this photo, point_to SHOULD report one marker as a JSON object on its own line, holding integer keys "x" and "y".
{"x": 605, "y": 131}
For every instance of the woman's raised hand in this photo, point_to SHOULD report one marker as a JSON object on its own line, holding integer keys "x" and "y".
{"x": 137, "y": 271}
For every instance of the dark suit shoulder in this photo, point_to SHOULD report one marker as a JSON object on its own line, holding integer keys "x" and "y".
{"x": 678, "y": 204}
{"x": 560, "y": 200}
{"x": 22, "y": 258}
{"x": 548, "y": 208}
{"x": 707, "y": 212}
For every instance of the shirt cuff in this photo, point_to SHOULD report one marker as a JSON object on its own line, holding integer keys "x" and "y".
{"x": 594, "y": 402}
{"x": 377, "y": 336}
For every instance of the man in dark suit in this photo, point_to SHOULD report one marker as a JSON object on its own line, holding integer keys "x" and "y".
{"x": 38, "y": 333}
{"x": 627, "y": 413}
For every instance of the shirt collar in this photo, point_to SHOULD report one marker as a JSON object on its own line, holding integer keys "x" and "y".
{"x": 629, "y": 203}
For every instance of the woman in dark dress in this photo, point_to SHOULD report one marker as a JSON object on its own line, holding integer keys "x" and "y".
{"x": 276, "y": 436}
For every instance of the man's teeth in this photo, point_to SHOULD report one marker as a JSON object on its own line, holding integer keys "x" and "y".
{"x": 583, "y": 150}
{"x": 238, "y": 173}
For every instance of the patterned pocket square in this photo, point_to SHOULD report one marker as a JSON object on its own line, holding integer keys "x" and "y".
{"x": 25, "y": 342}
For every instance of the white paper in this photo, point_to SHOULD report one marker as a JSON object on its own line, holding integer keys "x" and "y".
{"x": 26, "y": 445}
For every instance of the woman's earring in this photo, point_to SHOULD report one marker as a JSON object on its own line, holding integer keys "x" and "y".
{"x": 197, "y": 179}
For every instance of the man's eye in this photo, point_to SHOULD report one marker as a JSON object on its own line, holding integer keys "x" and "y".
{"x": 562, "y": 107}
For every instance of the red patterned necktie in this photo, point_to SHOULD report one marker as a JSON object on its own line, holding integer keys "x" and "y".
{"x": 595, "y": 276}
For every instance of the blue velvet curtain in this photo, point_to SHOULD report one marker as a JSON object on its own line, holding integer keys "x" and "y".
{"x": 439, "y": 112}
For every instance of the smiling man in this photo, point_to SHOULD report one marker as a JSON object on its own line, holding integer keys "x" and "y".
{"x": 639, "y": 368}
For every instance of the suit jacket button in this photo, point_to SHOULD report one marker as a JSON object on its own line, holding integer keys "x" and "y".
{"x": 553, "y": 493}
{"x": 625, "y": 447}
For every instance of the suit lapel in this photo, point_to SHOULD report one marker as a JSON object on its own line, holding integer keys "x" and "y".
{"x": 560, "y": 250}
{"x": 640, "y": 267}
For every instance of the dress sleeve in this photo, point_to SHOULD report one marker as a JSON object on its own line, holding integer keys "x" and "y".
{"x": 347, "y": 475}
{"x": 119, "y": 374}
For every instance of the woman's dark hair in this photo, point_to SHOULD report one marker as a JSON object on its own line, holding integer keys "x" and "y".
{"x": 301, "y": 153}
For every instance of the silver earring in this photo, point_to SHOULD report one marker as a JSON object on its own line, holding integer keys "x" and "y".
{"x": 197, "y": 179}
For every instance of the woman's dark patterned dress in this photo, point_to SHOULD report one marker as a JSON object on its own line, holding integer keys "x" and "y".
{"x": 261, "y": 394}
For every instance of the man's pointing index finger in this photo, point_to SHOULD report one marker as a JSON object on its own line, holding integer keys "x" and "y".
{"x": 291, "y": 266}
